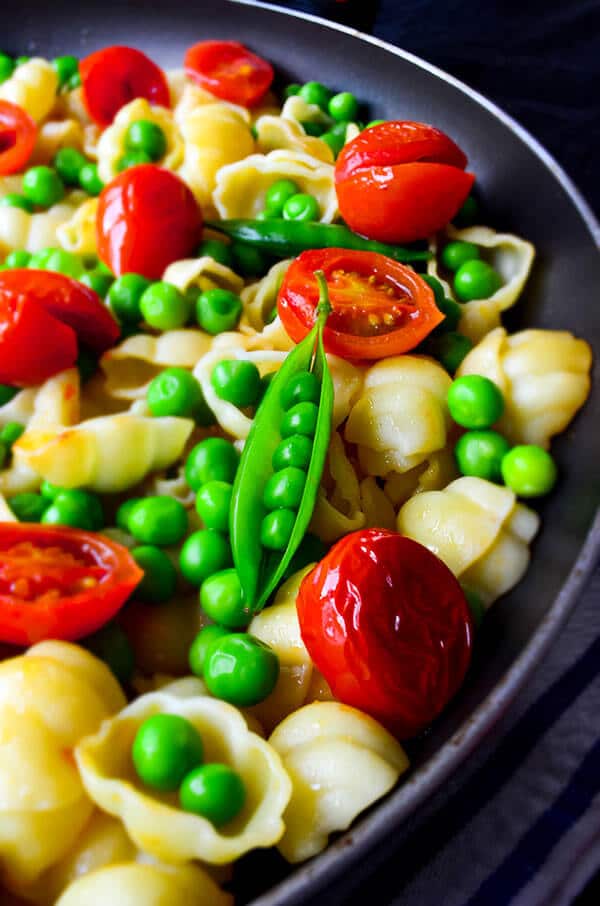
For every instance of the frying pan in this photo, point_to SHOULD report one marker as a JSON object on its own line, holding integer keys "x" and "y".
{"x": 523, "y": 190}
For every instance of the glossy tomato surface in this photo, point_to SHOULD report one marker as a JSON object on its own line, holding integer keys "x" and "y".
{"x": 114, "y": 76}
{"x": 147, "y": 218}
{"x": 60, "y": 583}
{"x": 33, "y": 344}
{"x": 380, "y": 307}
{"x": 18, "y": 133}
{"x": 230, "y": 71}
{"x": 401, "y": 181}
{"x": 388, "y": 626}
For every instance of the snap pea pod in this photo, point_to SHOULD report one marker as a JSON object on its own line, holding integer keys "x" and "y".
{"x": 260, "y": 570}
{"x": 288, "y": 238}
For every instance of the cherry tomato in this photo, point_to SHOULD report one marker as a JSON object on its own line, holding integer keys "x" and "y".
{"x": 230, "y": 71}
{"x": 388, "y": 626}
{"x": 380, "y": 307}
{"x": 147, "y": 218}
{"x": 18, "y": 133}
{"x": 401, "y": 181}
{"x": 33, "y": 344}
{"x": 60, "y": 583}
{"x": 114, "y": 76}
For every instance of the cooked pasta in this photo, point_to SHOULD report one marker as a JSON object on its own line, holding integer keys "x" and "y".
{"x": 33, "y": 87}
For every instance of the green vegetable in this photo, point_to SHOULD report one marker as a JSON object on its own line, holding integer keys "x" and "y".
{"x": 311, "y": 550}
{"x": 203, "y": 554}
{"x": 7, "y": 393}
{"x": 22, "y": 59}
{"x": 123, "y": 513}
{"x": 236, "y": 381}
{"x": 284, "y": 489}
{"x": 276, "y": 529}
{"x": 248, "y": 260}
{"x": 65, "y": 263}
{"x": 125, "y": 295}
{"x": 14, "y": 200}
{"x": 133, "y": 159}
{"x": 65, "y": 67}
{"x": 38, "y": 259}
{"x": 113, "y": 647}
{"x": 211, "y": 459}
{"x": 166, "y": 748}
{"x": 291, "y": 90}
{"x": 222, "y": 599}
{"x": 278, "y": 193}
{"x": 335, "y": 142}
{"x": 476, "y": 280}
{"x": 74, "y": 81}
{"x": 7, "y": 66}
{"x": 301, "y": 207}
{"x": 450, "y": 349}
{"x": 455, "y": 254}
{"x": 294, "y": 451}
{"x": 99, "y": 282}
{"x": 343, "y": 106}
{"x": 87, "y": 363}
{"x": 42, "y": 186}
{"x": 18, "y": 258}
{"x": 315, "y": 93}
{"x": 144, "y": 135}
{"x": 217, "y": 250}
{"x": 314, "y": 129}
{"x": 213, "y": 502}
{"x": 69, "y": 163}
{"x": 529, "y": 471}
{"x": 75, "y": 508}
{"x": 476, "y": 606}
{"x": 201, "y": 644}
{"x": 49, "y": 490}
{"x": 28, "y": 507}
{"x": 467, "y": 215}
{"x": 11, "y": 432}
{"x": 452, "y": 315}
{"x": 374, "y": 123}
{"x": 474, "y": 401}
{"x": 160, "y": 576}
{"x": 158, "y": 520}
{"x": 300, "y": 419}
{"x": 176, "y": 391}
{"x": 218, "y": 310}
{"x": 164, "y": 307}
{"x": 480, "y": 453}
{"x": 89, "y": 180}
{"x": 288, "y": 238}
{"x": 240, "y": 669}
{"x": 258, "y": 569}
{"x": 3, "y": 455}
{"x": 214, "y": 791}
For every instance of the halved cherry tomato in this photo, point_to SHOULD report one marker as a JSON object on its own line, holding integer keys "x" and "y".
{"x": 401, "y": 181}
{"x": 34, "y": 345}
{"x": 230, "y": 71}
{"x": 388, "y": 626}
{"x": 114, "y": 76}
{"x": 18, "y": 133}
{"x": 60, "y": 583}
{"x": 147, "y": 218}
{"x": 380, "y": 307}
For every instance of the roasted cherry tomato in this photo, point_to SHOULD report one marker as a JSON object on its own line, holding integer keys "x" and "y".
{"x": 114, "y": 76}
{"x": 380, "y": 307}
{"x": 388, "y": 626}
{"x": 60, "y": 583}
{"x": 401, "y": 181}
{"x": 230, "y": 71}
{"x": 18, "y": 133}
{"x": 147, "y": 218}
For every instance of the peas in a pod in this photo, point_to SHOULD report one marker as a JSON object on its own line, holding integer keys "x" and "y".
{"x": 160, "y": 576}
{"x": 237, "y": 381}
{"x": 164, "y": 307}
{"x": 529, "y": 470}
{"x": 125, "y": 295}
{"x": 201, "y": 645}
{"x": 214, "y": 791}
{"x": 277, "y": 194}
{"x": 42, "y": 186}
{"x": 474, "y": 401}
{"x": 213, "y": 502}
{"x": 157, "y": 520}
{"x": 304, "y": 387}
{"x": 480, "y": 453}
{"x": 28, "y": 507}
{"x": 455, "y": 254}
{"x": 218, "y": 310}
{"x": 294, "y": 451}
{"x": 75, "y": 508}
{"x": 301, "y": 207}
{"x": 217, "y": 250}
{"x": 213, "y": 459}
{"x": 203, "y": 554}
{"x": 176, "y": 392}
{"x": 222, "y": 599}
{"x": 300, "y": 419}
{"x": 476, "y": 280}
{"x": 284, "y": 489}
{"x": 166, "y": 748}
{"x": 147, "y": 136}
{"x": 276, "y": 529}
{"x": 241, "y": 669}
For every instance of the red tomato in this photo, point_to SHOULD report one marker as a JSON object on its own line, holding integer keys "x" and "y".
{"x": 18, "y": 133}
{"x": 114, "y": 76}
{"x": 60, "y": 583}
{"x": 401, "y": 181}
{"x": 33, "y": 344}
{"x": 388, "y": 626}
{"x": 147, "y": 218}
{"x": 380, "y": 307}
{"x": 230, "y": 71}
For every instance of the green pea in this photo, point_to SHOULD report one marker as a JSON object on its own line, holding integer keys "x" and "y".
{"x": 335, "y": 142}
{"x": 343, "y": 106}
{"x": 11, "y": 432}
{"x": 452, "y": 314}
{"x": 164, "y": 307}
{"x": 218, "y": 310}
{"x": 89, "y": 180}
{"x": 100, "y": 283}
{"x": 480, "y": 453}
{"x": 7, "y": 393}
{"x": 203, "y": 554}
{"x": 18, "y": 258}
{"x": 476, "y": 606}
{"x": 39, "y": 259}
{"x": 166, "y": 748}
{"x": 144, "y": 135}
{"x": 75, "y": 508}
{"x": 476, "y": 280}
{"x": 28, "y": 507}
{"x": 125, "y": 295}
{"x": 300, "y": 419}
{"x": 529, "y": 471}
{"x": 450, "y": 349}
{"x": 176, "y": 392}
{"x": 248, "y": 261}
{"x": 124, "y": 512}
{"x": 314, "y": 129}
{"x": 291, "y": 90}
{"x": 236, "y": 381}
{"x": 213, "y": 459}
{"x": 304, "y": 387}
{"x": 215, "y": 792}
{"x": 374, "y": 123}
{"x": 295, "y": 452}
{"x": 200, "y": 646}
{"x": 276, "y": 529}
{"x": 277, "y": 194}
{"x": 474, "y": 401}
{"x": 284, "y": 489}
{"x": 65, "y": 67}
{"x": 42, "y": 186}
{"x": 69, "y": 163}
{"x": 160, "y": 576}
{"x": 133, "y": 159}
{"x": 49, "y": 490}
{"x": 65, "y": 263}
{"x": 222, "y": 599}
{"x": 301, "y": 207}
{"x": 113, "y": 647}
{"x": 7, "y": 66}
{"x": 74, "y": 81}
{"x": 87, "y": 363}
{"x": 158, "y": 520}
{"x": 455, "y": 254}
{"x": 263, "y": 215}
{"x": 213, "y": 502}
{"x": 217, "y": 250}
{"x": 467, "y": 215}
{"x": 241, "y": 670}
{"x": 316, "y": 93}
{"x": 14, "y": 200}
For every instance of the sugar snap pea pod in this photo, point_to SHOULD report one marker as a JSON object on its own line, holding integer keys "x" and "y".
{"x": 261, "y": 570}
{"x": 288, "y": 238}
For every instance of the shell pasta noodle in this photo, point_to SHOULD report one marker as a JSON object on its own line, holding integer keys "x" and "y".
{"x": 267, "y": 457}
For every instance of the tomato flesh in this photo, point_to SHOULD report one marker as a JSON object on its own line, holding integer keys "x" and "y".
{"x": 388, "y": 626}
{"x": 18, "y": 134}
{"x": 230, "y": 71}
{"x": 114, "y": 76}
{"x": 33, "y": 344}
{"x": 380, "y": 307}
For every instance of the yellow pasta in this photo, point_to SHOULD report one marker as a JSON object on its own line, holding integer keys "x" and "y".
{"x": 338, "y": 508}
{"x": 298, "y": 110}
{"x": 32, "y": 86}
{"x": 201, "y": 274}
{"x": 54, "y": 135}
{"x": 78, "y": 234}
{"x": 260, "y": 298}
{"x": 33, "y": 232}
{"x": 273, "y": 132}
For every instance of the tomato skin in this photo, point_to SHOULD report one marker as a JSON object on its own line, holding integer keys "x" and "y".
{"x": 299, "y": 293}
{"x": 147, "y": 218}
{"x": 401, "y": 181}
{"x": 18, "y": 134}
{"x": 33, "y": 344}
{"x": 229, "y": 71}
{"x": 388, "y": 626}
{"x": 24, "y": 621}
{"x": 114, "y": 76}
